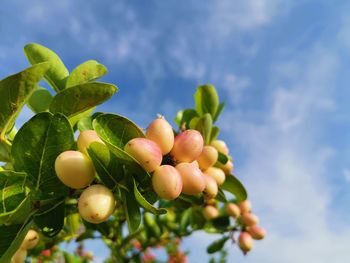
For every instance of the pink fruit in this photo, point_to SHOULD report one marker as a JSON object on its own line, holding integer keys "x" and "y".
{"x": 257, "y": 232}
{"x": 161, "y": 132}
{"x": 188, "y": 145}
{"x": 167, "y": 182}
{"x": 192, "y": 178}
{"x": 211, "y": 187}
{"x": 85, "y": 138}
{"x": 210, "y": 212}
{"x": 146, "y": 152}
{"x": 249, "y": 219}
{"x": 233, "y": 210}
{"x": 208, "y": 157}
{"x": 245, "y": 242}
{"x": 46, "y": 252}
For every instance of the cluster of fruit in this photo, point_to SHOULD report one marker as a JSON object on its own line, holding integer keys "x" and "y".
{"x": 29, "y": 242}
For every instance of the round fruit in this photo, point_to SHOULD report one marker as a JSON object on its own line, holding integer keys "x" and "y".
{"x": 195, "y": 163}
{"x": 249, "y": 219}
{"x": 85, "y": 138}
{"x": 257, "y": 232}
{"x": 245, "y": 206}
{"x": 19, "y": 256}
{"x": 192, "y": 178}
{"x": 245, "y": 242}
{"x": 217, "y": 174}
{"x": 233, "y": 210}
{"x": 208, "y": 157}
{"x": 188, "y": 145}
{"x": 227, "y": 167}
{"x": 146, "y": 152}
{"x": 210, "y": 212}
{"x": 161, "y": 132}
{"x": 211, "y": 187}
{"x": 167, "y": 182}
{"x": 220, "y": 146}
{"x": 30, "y": 240}
{"x": 74, "y": 169}
{"x": 96, "y": 204}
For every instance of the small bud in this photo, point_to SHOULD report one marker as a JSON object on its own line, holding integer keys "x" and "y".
{"x": 249, "y": 219}
{"x": 192, "y": 178}
{"x": 161, "y": 132}
{"x": 245, "y": 206}
{"x": 245, "y": 242}
{"x": 167, "y": 182}
{"x": 220, "y": 146}
{"x": 233, "y": 210}
{"x": 85, "y": 138}
{"x": 210, "y": 212}
{"x": 146, "y": 152}
{"x": 208, "y": 157}
{"x": 188, "y": 145}
{"x": 217, "y": 174}
{"x": 211, "y": 187}
{"x": 256, "y": 232}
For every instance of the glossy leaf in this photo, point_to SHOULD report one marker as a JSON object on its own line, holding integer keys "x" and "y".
{"x": 214, "y": 133}
{"x": 36, "y": 147}
{"x": 40, "y": 100}
{"x": 221, "y": 196}
{"x": 218, "y": 111}
{"x": 206, "y": 100}
{"x": 15, "y": 91}
{"x": 132, "y": 211}
{"x": 222, "y": 158}
{"x": 86, "y": 72}
{"x": 57, "y": 74}
{"x": 235, "y": 187}
{"x": 81, "y": 98}
{"x": 217, "y": 245}
{"x": 204, "y": 126}
{"x": 221, "y": 223}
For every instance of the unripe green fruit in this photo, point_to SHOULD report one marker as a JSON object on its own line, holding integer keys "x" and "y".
{"x": 167, "y": 182}
{"x": 161, "y": 132}
{"x": 233, "y": 210}
{"x": 245, "y": 206}
{"x": 220, "y": 146}
{"x": 19, "y": 256}
{"x": 31, "y": 240}
{"x": 249, "y": 219}
{"x": 146, "y": 152}
{"x": 193, "y": 181}
{"x": 96, "y": 204}
{"x": 256, "y": 232}
{"x": 188, "y": 145}
{"x": 227, "y": 167}
{"x": 245, "y": 242}
{"x": 208, "y": 157}
{"x": 217, "y": 174}
{"x": 211, "y": 186}
{"x": 85, "y": 138}
{"x": 210, "y": 212}
{"x": 74, "y": 169}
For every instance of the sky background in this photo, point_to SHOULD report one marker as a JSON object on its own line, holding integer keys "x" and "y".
{"x": 281, "y": 66}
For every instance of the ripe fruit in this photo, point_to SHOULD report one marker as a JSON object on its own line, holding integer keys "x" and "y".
{"x": 245, "y": 242}
{"x": 146, "y": 152}
{"x": 167, "y": 182}
{"x": 220, "y": 146}
{"x": 211, "y": 187}
{"x": 19, "y": 256}
{"x": 85, "y": 138}
{"x": 208, "y": 157}
{"x": 233, "y": 210}
{"x": 161, "y": 132}
{"x": 31, "y": 240}
{"x": 74, "y": 169}
{"x": 245, "y": 206}
{"x": 249, "y": 219}
{"x": 227, "y": 167}
{"x": 188, "y": 145}
{"x": 210, "y": 212}
{"x": 96, "y": 204}
{"x": 217, "y": 174}
{"x": 193, "y": 181}
{"x": 257, "y": 232}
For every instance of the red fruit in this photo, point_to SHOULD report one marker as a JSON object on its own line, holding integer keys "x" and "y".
{"x": 146, "y": 152}
{"x": 46, "y": 252}
{"x": 245, "y": 206}
{"x": 210, "y": 212}
{"x": 167, "y": 182}
{"x": 211, "y": 187}
{"x": 233, "y": 210}
{"x": 208, "y": 157}
{"x": 192, "y": 178}
{"x": 245, "y": 242}
{"x": 249, "y": 219}
{"x": 161, "y": 132}
{"x": 257, "y": 232}
{"x": 188, "y": 145}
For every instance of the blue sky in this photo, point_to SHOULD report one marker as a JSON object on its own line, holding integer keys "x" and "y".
{"x": 281, "y": 66}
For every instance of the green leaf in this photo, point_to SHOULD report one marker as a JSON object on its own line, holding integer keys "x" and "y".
{"x": 218, "y": 111}
{"x": 187, "y": 116}
{"x": 151, "y": 226}
{"x": 178, "y": 118}
{"x": 81, "y": 98}
{"x": 40, "y": 100}
{"x": 145, "y": 204}
{"x": 214, "y": 133}
{"x": 11, "y": 239}
{"x": 50, "y": 217}
{"x": 85, "y": 123}
{"x": 222, "y": 158}
{"x": 14, "y": 93}
{"x": 221, "y": 223}
{"x": 4, "y": 152}
{"x": 73, "y": 120}
{"x": 132, "y": 211}
{"x": 206, "y": 100}
{"x": 221, "y": 196}
{"x": 217, "y": 245}
{"x": 57, "y": 74}
{"x": 36, "y": 147}
{"x": 197, "y": 219}
{"x": 235, "y": 187}
{"x": 109, "y": 170}
{"x": 204, "y": 126}
{"x": 86, "y": 72}
{"x": 185, "y": 219}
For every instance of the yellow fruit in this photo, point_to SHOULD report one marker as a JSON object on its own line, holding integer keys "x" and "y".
{"x": 249, "y": 219}
{"x": 227, "y": 167}
{"x": 245, "y": 242}
{"x": 211, "y": 187}
{"x": 19, "y": 256}
{"x": 192, "y": 178}
{"x": 210, "y": 212}
{"x": 167, "y": 182}
{"x": 220, "y": 146}
{"x": 161, "y": 132}
{"x": 31, "y": 240}
{"x": 85, "y": 138}
{"x": 208, "y": 157}
{"x": 245, "y": 206}
{"x": 233, "y": 210}
{"x": 217, "y": 174}
{"x": 188, "y": 145}
{"x": 256, "y": 232}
